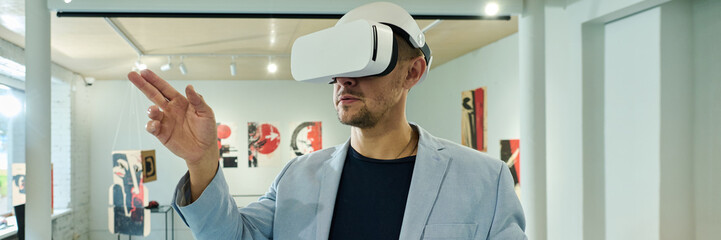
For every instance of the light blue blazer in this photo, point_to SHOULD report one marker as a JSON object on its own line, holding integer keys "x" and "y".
{"x": 456, "y": 193}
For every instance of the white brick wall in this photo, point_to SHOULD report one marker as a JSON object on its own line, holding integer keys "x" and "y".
{"x": 80, "y": 145}
{"x": 60, "y": 140}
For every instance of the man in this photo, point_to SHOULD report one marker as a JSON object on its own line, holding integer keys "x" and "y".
{"x": 390, "y": 180}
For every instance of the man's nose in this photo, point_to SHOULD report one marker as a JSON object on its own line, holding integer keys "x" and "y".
{"x": 346, "y": 82}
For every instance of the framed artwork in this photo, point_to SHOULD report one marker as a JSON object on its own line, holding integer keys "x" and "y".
{"x": 511, "y": 155}
{"x": 263, "y": 142}
{"x": 228, "y": 143}
{"x": 473, "y": 119}
{"x": 127, "y": 196}
{"x": 306, "y": 138}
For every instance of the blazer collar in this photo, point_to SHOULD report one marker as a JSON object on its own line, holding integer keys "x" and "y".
{"x": 329, "y": 189}
{"x": 428, "y": 173}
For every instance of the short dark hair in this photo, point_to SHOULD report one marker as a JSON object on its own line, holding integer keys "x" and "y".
{"x": 406, "y": 51}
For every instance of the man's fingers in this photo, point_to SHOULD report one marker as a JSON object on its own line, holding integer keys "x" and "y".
{"x": 154, "y": 113}
{"x": 168, "y": 91}
{"x": 153, "y": 127}
{"x": 149, "y": 90}
{"x": 197, "y": 101}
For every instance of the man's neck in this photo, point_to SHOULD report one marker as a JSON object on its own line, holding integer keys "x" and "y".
{"x": 385, "y": 141}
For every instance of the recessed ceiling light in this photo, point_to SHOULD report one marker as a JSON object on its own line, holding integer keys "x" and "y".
{"x": 491, "y": 9}
{"x": 272, "y": 68}
{"x": 68, "y": 1}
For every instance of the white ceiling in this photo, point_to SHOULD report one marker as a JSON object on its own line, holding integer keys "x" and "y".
{"x": 91, "y": 47}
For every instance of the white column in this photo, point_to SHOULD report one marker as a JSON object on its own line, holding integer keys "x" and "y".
{"x": 37, "y": 139}
{"x": 533, "y": 117}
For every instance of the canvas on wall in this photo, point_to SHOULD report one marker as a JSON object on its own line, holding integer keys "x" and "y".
{"x": 473, "y": 119}
{"x": 263, "y": 142}
{"x": 228, "y": 143}
{"x": 127, "y": 196}
{"x": 18, "y": 171}
{"x": 306, "y": 138}
{"x": 511, "y": 155}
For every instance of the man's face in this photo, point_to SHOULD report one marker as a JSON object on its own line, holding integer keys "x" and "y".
{"x": 363, "y": 102}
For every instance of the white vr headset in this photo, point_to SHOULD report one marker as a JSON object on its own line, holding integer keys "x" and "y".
{"x": 357, "y": 46}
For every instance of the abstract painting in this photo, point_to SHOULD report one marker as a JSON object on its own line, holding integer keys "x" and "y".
{"x": 511, "y": 154}
{"x": 228, "y": 144}
{"x": 263, "y": 142}
{"x": 127, "y": 196}
{"x": 473, "y": 119}
{"x": 306, "y": 138}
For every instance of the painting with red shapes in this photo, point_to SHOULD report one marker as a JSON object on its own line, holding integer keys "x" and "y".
{"x": 511, "y": 155}
{"x": 228, "y": 143}
{"x": 128, "y": 196}
{"x": 306, "y": 138}
{"x": 263, "y": 142}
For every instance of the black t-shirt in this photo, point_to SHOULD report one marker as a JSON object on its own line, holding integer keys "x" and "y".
{"x": 371, "y": 197}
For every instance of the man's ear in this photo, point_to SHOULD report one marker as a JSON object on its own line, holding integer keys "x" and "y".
{"x": 416, "y": 69}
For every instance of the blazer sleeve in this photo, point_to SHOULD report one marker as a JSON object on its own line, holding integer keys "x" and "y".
{"x": 214, "y": 215}
{"x": 508, "y": 219}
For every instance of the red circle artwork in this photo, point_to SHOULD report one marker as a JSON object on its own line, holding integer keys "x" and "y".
{"x": 271, "y": 136}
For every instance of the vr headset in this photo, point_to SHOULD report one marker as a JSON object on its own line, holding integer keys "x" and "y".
{"x": 357, "y": 46}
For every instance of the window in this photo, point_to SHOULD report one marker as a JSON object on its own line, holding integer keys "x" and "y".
{"x": 12, "y": 147}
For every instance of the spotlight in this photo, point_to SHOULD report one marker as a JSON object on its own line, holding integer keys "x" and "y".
{"x": 140, "y": 65}
{"x": 272, "y": 68}
{"x": 181, "y": 66}
{"x": 166, "y": 66}
{"x": 491, "y": 9}
{"x": 233, "y": 69}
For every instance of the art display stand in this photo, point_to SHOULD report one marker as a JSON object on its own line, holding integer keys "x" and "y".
{"x": 164, "y": 209}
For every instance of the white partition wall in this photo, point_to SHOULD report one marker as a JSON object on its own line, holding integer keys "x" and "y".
{"x": 632, "y": 126}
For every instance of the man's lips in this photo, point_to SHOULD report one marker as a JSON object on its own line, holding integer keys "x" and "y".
{"x": 346, "y": 99}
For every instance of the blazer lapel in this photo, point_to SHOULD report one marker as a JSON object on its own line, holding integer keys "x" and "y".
{"x": 428, "y": 175}
{"x": 328, "y": 189}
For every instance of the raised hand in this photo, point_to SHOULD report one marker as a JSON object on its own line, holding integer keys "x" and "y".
{"x": 186, "y": 126}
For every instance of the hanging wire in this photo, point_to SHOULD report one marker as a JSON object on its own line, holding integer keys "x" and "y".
{"x": 134, "y": 104}
{"x": 120, "y": 118}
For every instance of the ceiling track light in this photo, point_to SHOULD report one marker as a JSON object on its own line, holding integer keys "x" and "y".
{"x": 139, "y": 65}
{"x": 233, "y": 68}
{"x": 181, "y": 66}
{"x": 167, "y": 66}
